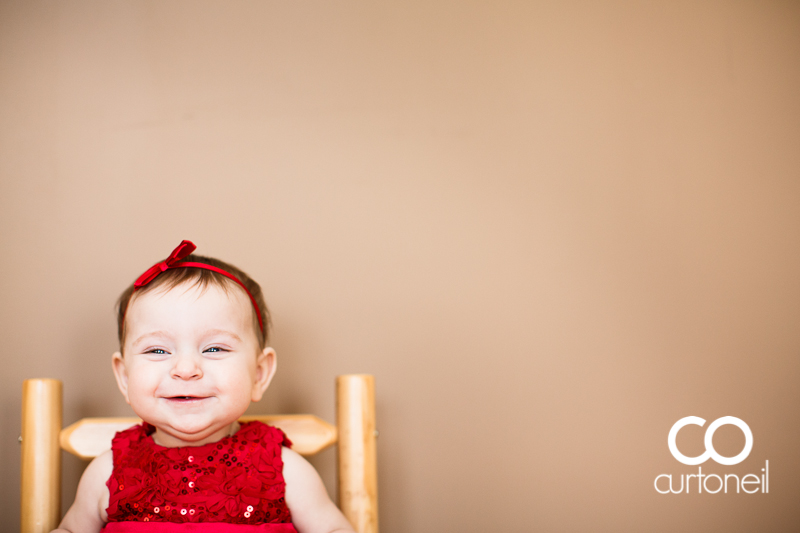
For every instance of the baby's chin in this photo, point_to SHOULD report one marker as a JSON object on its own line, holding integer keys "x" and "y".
{"x": 187, "y": 435}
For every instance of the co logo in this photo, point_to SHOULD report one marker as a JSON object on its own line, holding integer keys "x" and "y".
{"x": 710, "y": 451}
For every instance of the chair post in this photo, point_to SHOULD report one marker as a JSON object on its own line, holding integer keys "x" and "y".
{"x": 358, "y": 480}
{"x": 41, "y": 455}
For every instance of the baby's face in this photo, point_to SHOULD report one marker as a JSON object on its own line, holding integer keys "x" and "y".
{"x": 192, "y": 362}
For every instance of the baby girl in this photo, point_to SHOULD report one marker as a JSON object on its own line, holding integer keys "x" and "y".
{"x": 193, "y": 354}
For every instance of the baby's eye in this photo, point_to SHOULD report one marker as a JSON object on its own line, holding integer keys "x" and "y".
{"x": 214, "y": 349}
{"x": 157, "y": 351}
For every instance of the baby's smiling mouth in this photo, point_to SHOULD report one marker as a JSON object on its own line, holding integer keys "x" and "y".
{"x": 185, "y": 398}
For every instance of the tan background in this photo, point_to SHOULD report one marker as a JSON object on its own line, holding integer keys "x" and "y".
{"x": 550, "y": 229}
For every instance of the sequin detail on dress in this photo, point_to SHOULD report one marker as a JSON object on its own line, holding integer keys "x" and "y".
{"x": 237, "y": 480}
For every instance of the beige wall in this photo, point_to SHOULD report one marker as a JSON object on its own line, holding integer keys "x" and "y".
{"x": 549, "y": 229}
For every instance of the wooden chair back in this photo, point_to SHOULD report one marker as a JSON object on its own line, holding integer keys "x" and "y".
{"x": 43, "y": 439}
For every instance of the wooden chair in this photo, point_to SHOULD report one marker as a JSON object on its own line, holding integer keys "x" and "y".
{"x": 42, "y": 440}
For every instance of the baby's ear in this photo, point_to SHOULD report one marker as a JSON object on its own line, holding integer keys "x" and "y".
{"x": 121, "y": 373}
{"x": 266, "y": 363}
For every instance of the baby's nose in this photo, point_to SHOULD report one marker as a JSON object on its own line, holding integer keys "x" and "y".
{"x": 187, "y": 366}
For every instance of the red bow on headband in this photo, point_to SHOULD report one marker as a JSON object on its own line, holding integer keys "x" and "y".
{"x": 184, "y": 248}
{"x": 175, "y": 260}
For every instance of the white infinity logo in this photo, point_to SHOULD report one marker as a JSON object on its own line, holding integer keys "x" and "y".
{"x": 710, "y": 451}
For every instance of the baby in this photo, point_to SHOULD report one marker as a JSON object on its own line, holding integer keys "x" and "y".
{"x": 193, "y": 354}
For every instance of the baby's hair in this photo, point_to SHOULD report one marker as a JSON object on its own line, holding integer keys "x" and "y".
{"x": 202, "y": 278}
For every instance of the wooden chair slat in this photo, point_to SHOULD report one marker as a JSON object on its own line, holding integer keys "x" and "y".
{"x": 89, "y": 437}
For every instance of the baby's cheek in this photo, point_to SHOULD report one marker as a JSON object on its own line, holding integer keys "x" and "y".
{"x": 240, "y": 386}
{"x": 140, "y": 388}
{"x": 134, "y": 394}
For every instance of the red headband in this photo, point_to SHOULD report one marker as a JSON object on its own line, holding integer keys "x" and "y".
{"x": 174, "y": 261}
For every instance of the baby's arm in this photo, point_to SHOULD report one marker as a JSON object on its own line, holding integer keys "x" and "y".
{"x": 88, "y": 512}
{"x": 312, "y": 510}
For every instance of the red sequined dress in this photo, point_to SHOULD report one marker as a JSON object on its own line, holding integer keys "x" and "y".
{"x": 233, "y": 485}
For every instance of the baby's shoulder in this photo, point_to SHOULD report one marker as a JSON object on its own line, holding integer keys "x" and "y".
{"x": 97, "y": 473}
{"x": 306, "y": 497}
{"x": 102, "y": 462}
{"x": 100, "y": 470}
{"x": 88, "y": 512}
